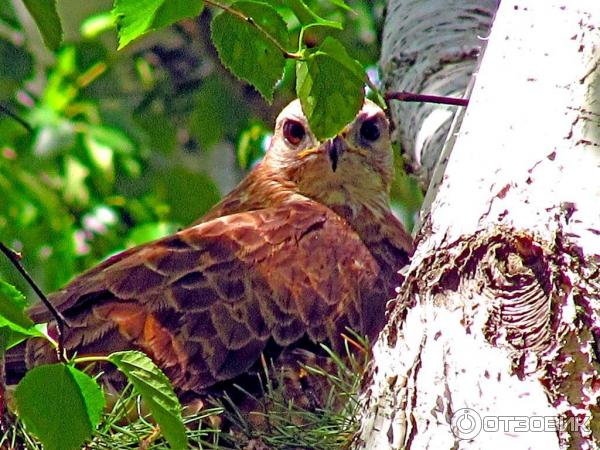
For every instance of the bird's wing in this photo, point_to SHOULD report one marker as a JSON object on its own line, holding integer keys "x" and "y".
{"x": 206, "y": 301}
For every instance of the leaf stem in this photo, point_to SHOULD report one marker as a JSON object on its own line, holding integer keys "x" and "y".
{"x": 87, "y": 359}
{"x": 251, "y": 21}
{"x": 414, "y": 97}
{"x": 61, "y": 322}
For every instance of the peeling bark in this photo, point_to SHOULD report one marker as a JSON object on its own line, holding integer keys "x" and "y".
{"x": 500, "y": 310}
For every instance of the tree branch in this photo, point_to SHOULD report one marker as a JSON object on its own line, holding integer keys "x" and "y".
{"x": 61, "y": 322}
{"x": 414, "y": 97}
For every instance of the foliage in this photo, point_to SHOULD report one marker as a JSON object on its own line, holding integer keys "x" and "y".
{"x": 253, "y": 41}
{"x": 111, "y": 149}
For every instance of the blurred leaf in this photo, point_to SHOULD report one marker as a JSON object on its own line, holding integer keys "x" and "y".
{"x": 60, "y": 90}
{"x": 246, "y": 51}
{"x": 75, "y": 174}
{"x": 45, "y": 16}
{"x": 13, "y": 74}
{"x": 111, "y": 137}
{"x": 76, "y": 405}
{"x": 405, "y": 194}
{"x": 160, "y": 130}
{"x": 137, "y": 17}
{"x": 101, "y": 155}
{"x": 157, "y": 394}
{"x": 330, "y": 85}
{"x": 252, "y": 144}
{"x": 54, "y": 137}
{"x": 189, "y": 193}
{"x": 149, "y": 232}
{"x": 97, "y": 24}
{"x": 216, "y": 112}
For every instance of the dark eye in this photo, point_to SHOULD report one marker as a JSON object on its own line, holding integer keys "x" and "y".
{"x": 293, "y": 131}
{"x": 369, "y": 130}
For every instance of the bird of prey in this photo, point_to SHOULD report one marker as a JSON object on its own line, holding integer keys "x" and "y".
{"x": 305, "y": 246}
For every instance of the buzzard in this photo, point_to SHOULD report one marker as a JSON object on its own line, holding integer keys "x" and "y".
{"x": 305, "y": 246}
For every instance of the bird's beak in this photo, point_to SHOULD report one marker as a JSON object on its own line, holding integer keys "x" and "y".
{"x": 335, "y": 148}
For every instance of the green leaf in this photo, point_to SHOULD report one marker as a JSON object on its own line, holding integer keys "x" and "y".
{"x": 9, "y": 338}
{"x": 15, "y": 326}
{"x": 47, "y": 20}
{"x": 60, "y": 405}
{"x": 342, "y": 4}
{"x": 157, "y": 393}
{"x": 307, "y": 17}
{"x": 137, "y": 17}
{"x": 330, "y": 85}
{"x": 12, "y": 306}
{"x": 248, "y": 52}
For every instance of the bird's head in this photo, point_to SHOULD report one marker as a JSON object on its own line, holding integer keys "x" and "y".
{"x": 353, "y": 168}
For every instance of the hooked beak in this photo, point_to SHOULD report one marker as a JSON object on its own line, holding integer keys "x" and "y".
{"x": 335, "y": 148}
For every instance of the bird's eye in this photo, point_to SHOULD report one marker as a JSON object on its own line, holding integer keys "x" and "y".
{"x": 369, "y": 130}
{"x": 293, "y": 131}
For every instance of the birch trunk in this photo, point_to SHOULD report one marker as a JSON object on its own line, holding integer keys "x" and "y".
{"x": 500, "y": 309}
{"x": 430, "y": 47}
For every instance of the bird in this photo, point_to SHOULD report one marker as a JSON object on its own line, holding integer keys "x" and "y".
{"x": 303, "y": 248}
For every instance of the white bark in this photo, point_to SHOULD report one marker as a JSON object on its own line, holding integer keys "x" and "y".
{"x": 430, "y": 47}
{"x": 500, "y": 312}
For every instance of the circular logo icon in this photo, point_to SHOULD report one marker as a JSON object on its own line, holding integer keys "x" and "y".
{"x": 466, "y": 423}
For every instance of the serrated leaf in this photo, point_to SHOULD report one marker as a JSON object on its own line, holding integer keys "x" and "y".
{"x": 137, "y": 17}
{"x": 47, "y": 20}
{"x": 12, "y": 306}
{"x": 156, "y": 392}
{"x": 14, "y": 322}
{"x": 330, "y": 85}
{"x": 246, "y": 50}
{"x": 60, "y": 405}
